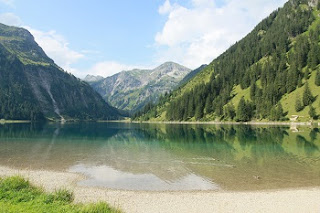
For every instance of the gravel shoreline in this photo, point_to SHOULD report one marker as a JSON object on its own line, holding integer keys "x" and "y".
{"x": 288, "y": 200}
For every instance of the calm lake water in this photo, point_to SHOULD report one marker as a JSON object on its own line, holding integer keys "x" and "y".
{"x": 168, "y": 156}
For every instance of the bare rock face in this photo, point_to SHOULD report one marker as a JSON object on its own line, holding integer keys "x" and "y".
{"x": 313, "y": 3}
{"x": 131, "y": 90}
{"x": 92, "y": 78}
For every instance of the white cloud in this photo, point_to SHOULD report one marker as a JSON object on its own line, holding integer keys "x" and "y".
{"x": 10, "y": 19}
{"x": 165, "y": 8}
{"x": 57, "y": 48}
{"x": 54, "y": 44}
{"x": 109, "y": 68}
{"x": 196, "y": 35}
{"x": 8, "y": 2}
{"x": 203, "y": 3}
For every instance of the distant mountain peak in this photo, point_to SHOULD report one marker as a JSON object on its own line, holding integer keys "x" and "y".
{"x": 92, "y": 78}
{"x": 21, "y": 43}
{"x": 170, "y": 64}
{"x": 33, "y": 87}
{"x": 131, "y": 90}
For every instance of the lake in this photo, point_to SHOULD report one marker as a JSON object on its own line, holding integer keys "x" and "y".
{"x": 172, "y": 157}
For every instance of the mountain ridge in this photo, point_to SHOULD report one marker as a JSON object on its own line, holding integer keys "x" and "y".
{"x": 92, "y": 78}
{"x": 133, "y": 89}
{"x": 33, "y": 87}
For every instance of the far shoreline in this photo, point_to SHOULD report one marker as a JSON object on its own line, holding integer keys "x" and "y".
{"x": 253, "y": 123}
{"x": 126, "y": 121}
{"x": 3, "y": 121}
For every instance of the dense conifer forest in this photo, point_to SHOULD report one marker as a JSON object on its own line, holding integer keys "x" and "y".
{"x": 251, "y": 79}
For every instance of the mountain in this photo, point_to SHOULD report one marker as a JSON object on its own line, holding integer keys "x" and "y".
{"x": 191, "y": 74}
{"x": 271, "y": 74}
{"x": 132, "y": 90}
{"x": 92, "y": 78}
{"x": 33, "y": 87}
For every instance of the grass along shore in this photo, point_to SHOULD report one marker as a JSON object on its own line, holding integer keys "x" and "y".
{"x": 287, "y": 200}
{"x": 18, "y": 195}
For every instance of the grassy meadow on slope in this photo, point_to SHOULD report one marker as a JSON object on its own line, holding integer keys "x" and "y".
{"x": 265, "y": 72}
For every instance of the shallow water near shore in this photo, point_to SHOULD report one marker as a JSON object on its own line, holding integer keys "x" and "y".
{"x": 168, "y": 157}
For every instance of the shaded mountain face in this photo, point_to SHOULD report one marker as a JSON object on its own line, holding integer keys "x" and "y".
{"x": 132, "y": 90}
{"x": 271, "y": 74}
{"x": 33, "y": 87}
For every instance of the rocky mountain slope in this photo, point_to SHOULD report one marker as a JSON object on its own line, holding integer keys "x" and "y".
{"x": 132, "y": 90}
{"x": 33, "y": 87}
{"x": 271, "y": 74}
{"x": 92, "y": 78}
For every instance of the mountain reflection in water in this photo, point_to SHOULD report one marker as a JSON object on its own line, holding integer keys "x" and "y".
{"x": 168, "y": 156}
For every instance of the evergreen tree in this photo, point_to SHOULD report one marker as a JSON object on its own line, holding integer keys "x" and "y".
{"x": 280, "y": 111}
{"x": 229, "y": 111}
{"x": 242, "y": 111}
{"x": 302, "y": 47}
{"x": 307, "y": 97}
{"x": 292, "y": 78}
{"x": 312, "y": 112}
{"x": 199, "y": 112}
{"x": 314, "y": 55}
{"x": 276, "y": 113}
{"x": 317, "y": 79}
{"x": 208, "y": 105}
{"x": 298, "y": 106}
{"x": 273, "y": 113}
{"x": 253, "y": 89}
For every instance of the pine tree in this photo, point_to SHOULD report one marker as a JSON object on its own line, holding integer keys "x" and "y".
{"x": 253, "y": 89}
{"x": 313, "y": 55}
{"x": 317, "y": 80}
{"x": 273, "y": 113}
{"x": 279, "y": 112}
{"x": 298, "y": 106}
{"x": 208, "y": 105}
{"x": 199, "y": 112}
{"x": 276, "y": 113}
{"x": 292, "y": 78}
{"x": 307, "y": 97}
{"x": 229, "y": 111}
{"x": 242, "y": 111}
{"x": 312, "y": 112}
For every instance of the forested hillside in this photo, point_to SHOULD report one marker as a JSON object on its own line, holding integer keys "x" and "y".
{"x": 33, "y": 87}
{"x": 271, "y": 74}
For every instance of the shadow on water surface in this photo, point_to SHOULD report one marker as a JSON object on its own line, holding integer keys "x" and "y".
{"x": 167, "y": 156}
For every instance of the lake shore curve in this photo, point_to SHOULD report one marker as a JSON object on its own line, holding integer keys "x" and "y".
{"x": 284, "y": 200}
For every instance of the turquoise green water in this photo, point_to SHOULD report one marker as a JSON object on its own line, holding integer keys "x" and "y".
{"x": 168, "y": 157}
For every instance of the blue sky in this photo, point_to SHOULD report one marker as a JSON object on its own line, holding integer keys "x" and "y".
{"x": 104, "y": 37}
